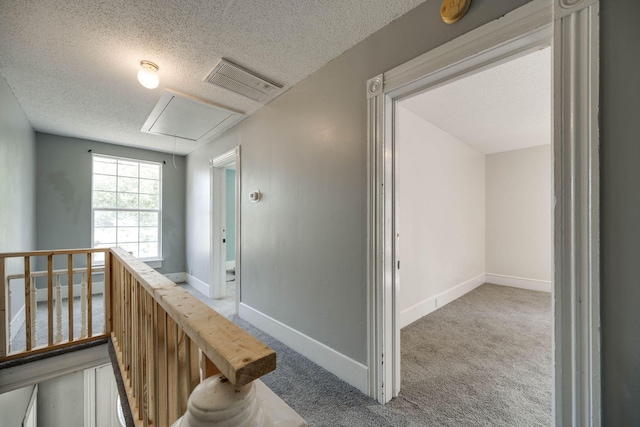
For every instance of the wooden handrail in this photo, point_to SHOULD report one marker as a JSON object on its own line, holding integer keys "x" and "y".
{"x": 166, "y": 340}
{"x": 239, "y": 356}
{"x": 156, "y": 323}
{"x": 53, "y": 252}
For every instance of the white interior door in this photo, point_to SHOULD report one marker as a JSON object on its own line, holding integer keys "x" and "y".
{"x": 100, "y": 397}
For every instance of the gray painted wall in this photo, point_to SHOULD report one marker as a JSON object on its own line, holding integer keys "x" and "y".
{"x": 620, "y": 227}
{"x": 64, "y": 195}
{"x": 17, "y": 186}
{"x": 304, "y": 245}
{"x": 61, "y": 401}
{"x": 230, "y": 215}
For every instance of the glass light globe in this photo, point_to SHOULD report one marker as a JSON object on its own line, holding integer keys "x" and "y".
{"x": 148, "y": 75}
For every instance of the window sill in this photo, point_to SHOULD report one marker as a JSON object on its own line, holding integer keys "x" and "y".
{"x": 153, "y": 263}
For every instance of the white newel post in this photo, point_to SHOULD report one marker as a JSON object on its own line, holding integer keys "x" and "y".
{"x": 217, "y": 402}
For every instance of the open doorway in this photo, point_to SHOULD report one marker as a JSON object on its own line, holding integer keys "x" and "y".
{"x": 473, "y": 211}
{"x": 225, "y": 274}
{"x": 572, "y": 29}
{"x": 229, "y": 232}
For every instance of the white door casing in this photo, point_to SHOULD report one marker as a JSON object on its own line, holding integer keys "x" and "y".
{"x": 218, "y": 166}
{"x": 31, "y": 415}
{"x": 100, "y": 397}
{"x": 572, "y": 28}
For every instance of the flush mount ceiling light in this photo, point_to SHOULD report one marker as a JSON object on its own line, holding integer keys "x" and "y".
{"x": 148, "y": 75}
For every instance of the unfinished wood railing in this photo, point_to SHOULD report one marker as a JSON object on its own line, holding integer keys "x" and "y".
{"x": 19, "y": 279}
{"x": 167, "y": 341}
{"x": 170, "y": 347}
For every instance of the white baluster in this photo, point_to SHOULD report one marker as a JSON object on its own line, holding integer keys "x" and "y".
{"x": 83, "y": 306}
{"x": 58, "y": 311}
{"x": 34, "y": 310}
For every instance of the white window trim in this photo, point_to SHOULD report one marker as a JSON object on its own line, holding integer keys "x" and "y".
{"x": 153, "y": 262}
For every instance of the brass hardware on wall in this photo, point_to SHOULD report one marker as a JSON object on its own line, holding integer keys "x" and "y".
{"x": 453, "y": 10}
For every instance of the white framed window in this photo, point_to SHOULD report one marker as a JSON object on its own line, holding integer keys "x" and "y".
{"x": 126, "y": 206}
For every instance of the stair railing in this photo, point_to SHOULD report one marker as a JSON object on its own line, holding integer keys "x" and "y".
{"x": 21, "y": 280}
{"x": 173, "y": 351}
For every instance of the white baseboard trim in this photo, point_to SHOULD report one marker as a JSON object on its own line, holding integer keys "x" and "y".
{"x": 417, "y": 311}
{"x": 345, "y": 368}
{"x": 429, "y": 305}
{"x": 197, "y": 284}
{"x": 42, "y": 295}
{"x": 456, "y": 292}
{"x": 519, "y": 282}
{"x": 230, "y": 265}
{"x": 177, "y": 277}
{"x": 16, "y": 323}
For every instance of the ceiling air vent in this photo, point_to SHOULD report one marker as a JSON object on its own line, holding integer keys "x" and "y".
{"x": 239, "y": 80}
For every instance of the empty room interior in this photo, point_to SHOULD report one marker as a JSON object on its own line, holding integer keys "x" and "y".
{"x": 474, "y": 239}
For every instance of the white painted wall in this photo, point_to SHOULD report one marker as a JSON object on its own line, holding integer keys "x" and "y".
{"x": 518, "y": 203}
{"x": 13, "y": 406}
{"x": 465, "y": 218}
{"x": 441, "y": 213}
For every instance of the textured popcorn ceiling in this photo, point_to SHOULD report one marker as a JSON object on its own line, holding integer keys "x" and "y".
{"x": 72, "y": 64}
{"x": 507, "y": 107}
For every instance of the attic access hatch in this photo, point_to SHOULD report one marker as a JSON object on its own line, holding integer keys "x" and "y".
{"x": 188, "y": 118}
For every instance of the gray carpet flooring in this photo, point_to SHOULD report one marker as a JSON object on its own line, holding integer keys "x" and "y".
{"x": 320, "y": 397}
{"x": 482, "y": 360}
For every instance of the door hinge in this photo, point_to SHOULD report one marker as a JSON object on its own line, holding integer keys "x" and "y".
{"x": 398, "y": 264}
